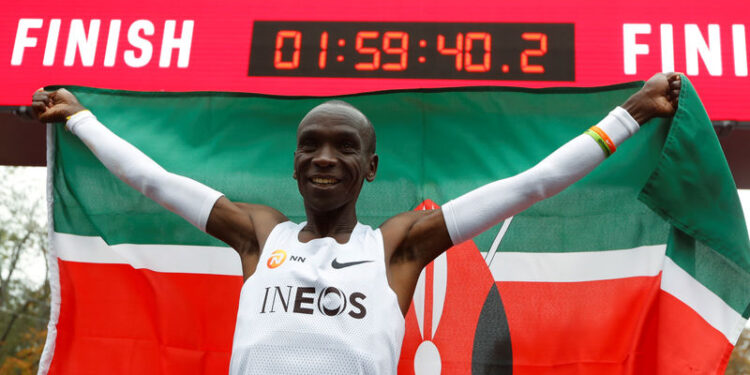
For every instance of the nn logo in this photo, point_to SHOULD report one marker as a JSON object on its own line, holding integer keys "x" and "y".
{"x": 278, "y": 257}
{"x": 330, "y": 301}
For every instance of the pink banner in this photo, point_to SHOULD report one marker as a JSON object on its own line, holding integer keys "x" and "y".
{"x": 336, "y": 47}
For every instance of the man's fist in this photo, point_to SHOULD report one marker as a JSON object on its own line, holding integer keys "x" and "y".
{"x": 55, "y": 106}
{"x": 658, "y": 97}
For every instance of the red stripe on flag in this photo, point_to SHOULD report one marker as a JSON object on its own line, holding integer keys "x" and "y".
{"x": 676, "y": 340}
{"x": 115, "y": 319}
{"x": 601, "y": 321}
{"x": 622, "y": 326}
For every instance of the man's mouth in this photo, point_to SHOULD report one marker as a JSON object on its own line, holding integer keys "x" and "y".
{"x": 324, "y": 180}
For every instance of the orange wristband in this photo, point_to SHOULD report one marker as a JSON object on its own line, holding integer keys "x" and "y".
{"x": 605, "y": 137}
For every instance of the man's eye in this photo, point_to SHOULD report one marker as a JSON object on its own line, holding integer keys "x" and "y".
{"x": 348, "y": 147}
{"x": 306, "y": 146}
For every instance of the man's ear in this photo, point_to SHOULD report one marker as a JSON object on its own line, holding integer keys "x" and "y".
{"x": 373, "y": 168}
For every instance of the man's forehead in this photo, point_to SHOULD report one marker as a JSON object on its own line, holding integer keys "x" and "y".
{"x": 325, "y": 127}
{"x": 332, "y": 115}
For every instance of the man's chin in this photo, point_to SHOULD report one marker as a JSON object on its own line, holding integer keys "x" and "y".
{"x": 324, "y": 200}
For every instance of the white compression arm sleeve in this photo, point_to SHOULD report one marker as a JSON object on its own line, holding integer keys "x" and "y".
{"x": 181, "y": 195}
{"x": 480, "y": 209}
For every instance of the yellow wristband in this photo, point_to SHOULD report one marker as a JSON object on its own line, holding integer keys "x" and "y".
{"x": 68, "y": 118}
{"x": 599, "y": 141}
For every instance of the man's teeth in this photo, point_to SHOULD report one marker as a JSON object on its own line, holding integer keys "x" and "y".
{"x": 323, "y": 180}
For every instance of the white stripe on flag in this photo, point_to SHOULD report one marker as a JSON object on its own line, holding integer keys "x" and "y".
{"x": 578, "y": 266}
{"x": 213, "y": 260}
{"x": 709, "y": 306}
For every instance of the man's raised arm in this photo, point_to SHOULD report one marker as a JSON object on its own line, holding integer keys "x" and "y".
{"x": 199, "y": 204}
{"x": 472, "y": 213}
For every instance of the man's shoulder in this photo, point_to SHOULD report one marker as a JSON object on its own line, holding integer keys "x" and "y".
{"x": 263, "y": 217}
{"x": 253, "y": 209}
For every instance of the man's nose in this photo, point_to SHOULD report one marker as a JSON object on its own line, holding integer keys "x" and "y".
{"x": 325, "y": 157}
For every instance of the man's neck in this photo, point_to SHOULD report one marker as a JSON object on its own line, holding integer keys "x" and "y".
{"x": 337, "y": 224}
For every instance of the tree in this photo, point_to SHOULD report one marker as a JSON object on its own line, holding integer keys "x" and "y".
{"x": 24, "y": 306}
{"x": 739, "y": 362}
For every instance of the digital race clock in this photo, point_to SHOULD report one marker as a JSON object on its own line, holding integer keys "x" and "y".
{"x": 485, "y": 51}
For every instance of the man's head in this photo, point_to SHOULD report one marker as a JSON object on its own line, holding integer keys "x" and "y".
{"x": 335, "y": 154}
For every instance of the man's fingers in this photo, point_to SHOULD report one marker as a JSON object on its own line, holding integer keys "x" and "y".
{"x": 62, "y": 96}
{"x": 54, "y": 97}
{"x": 49, "y": 116}
{"x": 673, "y": 91}
{"x": 38, "y": 106}
{"x": 42, "y": 96}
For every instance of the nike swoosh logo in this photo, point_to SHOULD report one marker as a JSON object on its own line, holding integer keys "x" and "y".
{"x": 335, "y": 264}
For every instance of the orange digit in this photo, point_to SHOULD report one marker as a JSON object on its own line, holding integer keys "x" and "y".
{"x": 458, "y": 51}
{"x": 485, "y": 65}
{"x": 402, "y": 50}
{"x": 323, "y": 50}
{"x": 542, "y": 38}
{"x": 375, "y": 63}
{"x": 278, "y": 63}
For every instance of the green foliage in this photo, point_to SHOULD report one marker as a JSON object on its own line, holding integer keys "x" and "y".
{"x": 26, "y": 360}
{"x": 24, "y": 305}
{"x": 739, "y": 362}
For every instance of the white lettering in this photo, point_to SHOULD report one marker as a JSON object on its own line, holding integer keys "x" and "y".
{"x": 630, "y": 47}
{"x": 183, "y": 43}
{"x": 23, "y": 40}
{"x": 667, "y": 48}
{"x": 740, "y": 50}
{"x": 136, "y": 41}
{"x": 51, "y": 47}
{"x": 83, "y": 40}
{"x": 710, "y": 53}
{"x": 113, "y": 38}
{"x": 85, "y": 44}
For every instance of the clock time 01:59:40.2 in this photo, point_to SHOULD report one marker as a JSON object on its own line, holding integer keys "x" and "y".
{"x": 441, "y": 50}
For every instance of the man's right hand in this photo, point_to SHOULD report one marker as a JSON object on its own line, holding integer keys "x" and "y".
{"x": 658, "y": 97}
{"x": 55, "y": 106}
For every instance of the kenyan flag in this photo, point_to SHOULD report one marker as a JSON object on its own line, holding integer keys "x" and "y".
{"x": 641, "y": 267}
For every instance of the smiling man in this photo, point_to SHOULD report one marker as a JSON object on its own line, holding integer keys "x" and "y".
{"x": 338, "y": 307}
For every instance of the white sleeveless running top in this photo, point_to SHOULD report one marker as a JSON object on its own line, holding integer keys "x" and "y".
{"x": 318, "y": 308}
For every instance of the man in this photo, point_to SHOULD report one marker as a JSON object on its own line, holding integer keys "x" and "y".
{"x": 343, "y": 308}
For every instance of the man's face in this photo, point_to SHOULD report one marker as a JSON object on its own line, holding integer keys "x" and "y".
{"x": 332, "y": 159}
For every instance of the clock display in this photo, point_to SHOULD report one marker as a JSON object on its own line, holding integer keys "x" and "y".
{"x": 485, "y": 51}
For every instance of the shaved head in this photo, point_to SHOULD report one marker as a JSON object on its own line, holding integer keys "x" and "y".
{"x": 344, "y": 112}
